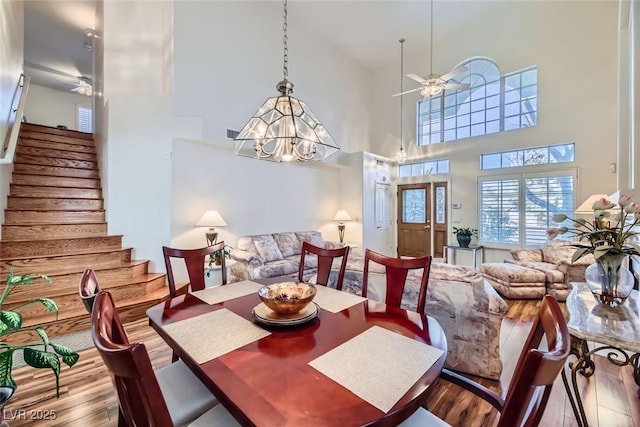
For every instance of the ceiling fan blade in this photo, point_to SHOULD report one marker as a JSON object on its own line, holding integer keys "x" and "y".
{"x": 451, "y": 74}
{"x": 417, "y": 78}
{"x": 405, "y": 92}
{"x": 457, "y": 86}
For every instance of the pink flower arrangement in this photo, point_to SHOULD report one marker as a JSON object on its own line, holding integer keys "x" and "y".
{"x": 604, "y": 236}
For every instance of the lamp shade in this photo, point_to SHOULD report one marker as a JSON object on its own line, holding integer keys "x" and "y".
{"x": 211, "y": 219}
{"x": 587, "y": 206}
{"x": 342, "y": 215}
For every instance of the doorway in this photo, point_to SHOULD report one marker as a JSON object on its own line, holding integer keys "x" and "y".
{"x": 422, "y": 219}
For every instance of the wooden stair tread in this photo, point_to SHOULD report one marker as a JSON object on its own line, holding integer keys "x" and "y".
{"x": 95, "y": 251}
{"x": 98, "y": 269}
{"x": 52, "y": 239}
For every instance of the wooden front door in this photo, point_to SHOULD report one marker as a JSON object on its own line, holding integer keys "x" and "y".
{"x": 416, "y": 205}
{"x": 414, "y": 220}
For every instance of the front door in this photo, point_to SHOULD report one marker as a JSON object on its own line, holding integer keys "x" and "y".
{"x": 416, "y": 205}
{"x": 414, "y": 220}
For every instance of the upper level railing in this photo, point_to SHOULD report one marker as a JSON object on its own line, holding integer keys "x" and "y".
{"x": 17, "y": 110}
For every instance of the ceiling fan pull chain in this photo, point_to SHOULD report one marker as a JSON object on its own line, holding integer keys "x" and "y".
{"x": 401, "y": 87}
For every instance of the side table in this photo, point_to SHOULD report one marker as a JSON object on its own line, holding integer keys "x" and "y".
{"x": 474, "y": 249}
{"x": 215, "y": 279}
{"x": 614, "y": 328}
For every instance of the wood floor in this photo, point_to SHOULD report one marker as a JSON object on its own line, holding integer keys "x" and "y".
{"x": 87, "y": 398}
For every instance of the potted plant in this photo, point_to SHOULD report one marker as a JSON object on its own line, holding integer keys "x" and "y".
{"x": 215, "y": 258}
{"x": 38, "y": 354}
{"x": 464, "y": 235}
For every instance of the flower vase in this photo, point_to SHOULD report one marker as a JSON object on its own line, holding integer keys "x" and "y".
{"x": 609, "y": 282}
{"x": 463, "y": 240}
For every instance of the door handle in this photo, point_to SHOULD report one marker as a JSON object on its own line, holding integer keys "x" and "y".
{"x": 427, "y": 226}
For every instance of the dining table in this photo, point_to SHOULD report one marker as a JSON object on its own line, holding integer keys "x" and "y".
{"x": 353, "y": 362}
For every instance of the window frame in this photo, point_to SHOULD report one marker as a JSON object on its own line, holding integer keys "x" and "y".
{"x": 521, "y": 176}
{"x": 438, "y": 119}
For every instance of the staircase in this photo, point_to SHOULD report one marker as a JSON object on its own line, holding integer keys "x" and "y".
{"x": 55, "y": 225}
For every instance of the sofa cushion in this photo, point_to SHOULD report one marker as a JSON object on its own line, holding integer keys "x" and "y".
{"x": 313, "y": 237}
{"x": 527, "y": 255}
{"x": 555, "y": 251}
{"x": 310, "y": 260}
{"x": 245, "y": 243}
{"x": 267, "y": 248}
{"x": 276, "y": 268}
{"x": 288, "y": 244}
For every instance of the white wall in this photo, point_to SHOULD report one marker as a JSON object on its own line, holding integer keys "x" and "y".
{"x": 253, "y": 197}
{"x": 573, "y": 44}
{"x": 50, "y": 107}
{"x": 11, "y": 58}
{"x": 227, "y": 61}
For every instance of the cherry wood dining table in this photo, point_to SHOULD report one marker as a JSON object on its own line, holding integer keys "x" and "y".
{"x": 269, "y": 382}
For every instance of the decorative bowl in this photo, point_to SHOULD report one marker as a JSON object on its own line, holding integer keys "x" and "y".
{"x": 287, "y": 297}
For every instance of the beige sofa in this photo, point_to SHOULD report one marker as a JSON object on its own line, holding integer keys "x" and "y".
{"x": 278, "y": 254}
{"x": 533, "y": 272}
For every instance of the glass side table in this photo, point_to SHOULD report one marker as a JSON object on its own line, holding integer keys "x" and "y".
{"x": 615, "y": 332}
{"x": 474, "y": 249}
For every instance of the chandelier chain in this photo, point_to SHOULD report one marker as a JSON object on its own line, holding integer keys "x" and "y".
{"x": 431, "y": 41}
{"x": 401, "y": 87}
{"x": 285, "y": 39}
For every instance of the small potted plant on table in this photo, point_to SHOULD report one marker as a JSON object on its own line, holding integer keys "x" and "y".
{"x": 215, "y": 260}
{"x": 464, "y": 235}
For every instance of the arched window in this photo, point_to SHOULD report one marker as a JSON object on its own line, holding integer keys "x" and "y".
{"x": 492, "y": 103}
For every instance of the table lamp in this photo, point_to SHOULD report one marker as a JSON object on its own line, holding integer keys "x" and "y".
{"x": 211, "y": 219}
{"x": 341, "y": 216}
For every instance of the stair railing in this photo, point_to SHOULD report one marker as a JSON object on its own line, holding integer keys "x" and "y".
{"x": 15, "y": 117}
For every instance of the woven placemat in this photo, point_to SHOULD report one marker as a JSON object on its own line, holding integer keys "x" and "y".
{"x": 378, "y": 365}
{"x": 335, "y": 301}
{"x": 213, "y": 334}
{"x": 220, "y": 294}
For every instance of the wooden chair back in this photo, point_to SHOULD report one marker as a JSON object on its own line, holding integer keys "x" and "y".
{"x": 535, "y": 373}
{"x": 396, "y": 270}
{"x": 88, "y": 288}
{"x": 325, "y": 262}
{"x": 537, "y": 369}
{"x": 141, "y": 401}
{"x": 196, "y": 261}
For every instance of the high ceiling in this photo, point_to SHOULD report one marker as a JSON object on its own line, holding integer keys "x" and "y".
{"x": 366, "y": 30}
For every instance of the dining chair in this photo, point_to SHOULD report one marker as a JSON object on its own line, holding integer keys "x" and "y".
{"x": 88, "y": 288}
{"x": 195, "y": 259}
{"x": 325, "y": 262}
{"x": 169, "y": 396}
{"x": 396, "y": 270}
{"x": 535, "y": 373}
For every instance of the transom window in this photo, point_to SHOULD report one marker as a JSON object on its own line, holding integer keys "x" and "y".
{"x": 528, "y": 157}
{"x": 423, "y": 168}
{"x": 492, "y": 103}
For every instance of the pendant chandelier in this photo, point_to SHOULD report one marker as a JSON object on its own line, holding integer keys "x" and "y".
{"x": 401, "y": 155}
{"x": 284, "y": 128}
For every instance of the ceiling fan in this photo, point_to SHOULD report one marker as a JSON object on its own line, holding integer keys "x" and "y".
{"x": 433, "y": 84}
{"x": 83, "y": 88}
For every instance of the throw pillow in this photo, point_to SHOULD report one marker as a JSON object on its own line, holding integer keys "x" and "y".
{"x": 288, "y": 244}
{"x": 268, "y": 250}
{"x": 313, "y": 237}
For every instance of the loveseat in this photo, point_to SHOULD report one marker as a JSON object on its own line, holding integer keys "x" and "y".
{"x": 553, "y": 260}
{"x": 270, "y": 255}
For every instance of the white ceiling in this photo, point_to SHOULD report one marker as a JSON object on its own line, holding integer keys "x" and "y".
{"x": 366, "y": 30}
